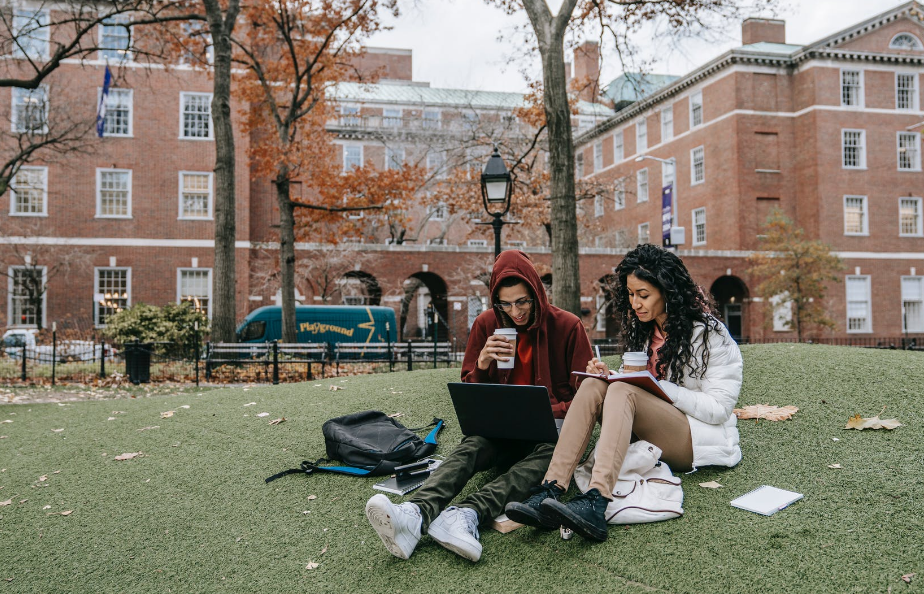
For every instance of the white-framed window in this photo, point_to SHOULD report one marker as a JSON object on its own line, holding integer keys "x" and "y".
{"x": 696, "y": 109}
{"x": 196, "y": 115}
{"x": 29, "y": 192}
{"x": 431, "y": 119}
{"x": 600, "y": 303}
{"x": 350, "y": 116}
{"x": 197, "y": 31}
{"x": 26, "y": 282}
{"x": 477, "y": 243}
{"x": 352, "y": 156}
{"x": 119, "y": 105}
{"x": 852, "y": 88}
{"x": 699, "y": 226}
{"x": 598, "y": 155}
{"x": 439, "y": 212}
{"x": 913, "y": 304}
{"x": 782, "y": 312}
{"x": 853, "y": 149}
{"x": 909, "y": 151}
{"x": 909, "y": 217}
{"x": 435, "y": 162}
{"x": 856, "y": 219}
{"x": 113, "y": 292}
{"x": 668, "y": 174}
{"x": 859, "y": 316}
{"x": 29, "y": 110}
{"x": 905, "y": 41}
{"x": 114, "y": 193}
{"x": 392, "y": 117}
{"x": 906, "y": 91}
{"x": 194, "y": 285}
{"x": 31, "y": 33}
{"x": 697, "y": 165}
{"x": 667, "y": 123}
{"x": 516, "y": 243}
{"x": 599, "y": 206}
{"x": 641, "y": 135}
{"x": 115, "y": 38}
{"x": 644, "y": 236}
{"x": 394, "y": 157}
{"x": 641, "y": 182}
{"x": 579, "y": 164}
{"x": 619, "y": 194}
{"x": 195, "y": 195}
{"x": 619, "y": 147}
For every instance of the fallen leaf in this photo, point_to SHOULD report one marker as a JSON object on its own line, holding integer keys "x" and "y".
{"x": 834, "y": 466}
{"x": 396, "y": 415}
{"x": 306, "y": 512}
{"x": 835, "y": 439}
{"x": 167, "y": 415}
{"x": 185, "y": 406}
{"x": 860, "y": 423}
{"x": 324, "y": 550}
{"x": 7, "y": 502}
{"x": 118, "y": 412}
{"x": 711, "y": 485}
{"x": 3, "y": 436}
{"x": 250, "y": 404}
{"x": 277, "y": 421}
{"x": 332, "y": 389}
{"x": 47, "y": 507}
{"x": 128, "y": 456}
{"x": 766, "y": 411}
{"x": 312, "y": 565}
{"x": 8, "y": 421}
{"x": 111, "y": 419}
{"x": 263, "y": 414}
{"x": 67, "y": 513}
{"x": 21, "y": 501}
{"x": 907, "y": 577}
{"x": 56, "y": 472}
{"x": 312, "y": 497}
{"x": 146, "y": 428}
{"x": 44, "y": 477}
{"x": 58, "y": 430}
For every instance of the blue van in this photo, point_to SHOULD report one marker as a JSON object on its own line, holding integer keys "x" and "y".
{"x": 322, "y": 323}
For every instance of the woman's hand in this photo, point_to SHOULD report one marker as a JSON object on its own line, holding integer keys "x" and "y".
{"x": 497, "y": 348}
{"x": 598, "y": 367}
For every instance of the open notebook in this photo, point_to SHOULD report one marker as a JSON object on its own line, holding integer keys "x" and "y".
{"x": 766, "y": 500}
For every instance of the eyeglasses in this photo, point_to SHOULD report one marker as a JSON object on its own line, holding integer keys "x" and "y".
{"x": 519, "y": 304}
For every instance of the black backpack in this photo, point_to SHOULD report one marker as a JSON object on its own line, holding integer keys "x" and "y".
{"x": 369, "y": 443}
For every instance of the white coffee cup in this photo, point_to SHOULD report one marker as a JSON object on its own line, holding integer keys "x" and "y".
{"x": 511, "y": 335}
{"x": 634, "y": 362}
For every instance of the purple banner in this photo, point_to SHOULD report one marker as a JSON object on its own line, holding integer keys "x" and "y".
{"x": 667, "y": 198}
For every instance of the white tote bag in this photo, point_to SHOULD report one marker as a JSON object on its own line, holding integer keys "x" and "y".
{"x": 646, "y": 490}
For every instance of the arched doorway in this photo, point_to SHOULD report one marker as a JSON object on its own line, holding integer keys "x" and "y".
{"x": 360, "y": 288}
{"x": 730, "y": 294}
{"x": 422, "y": 289}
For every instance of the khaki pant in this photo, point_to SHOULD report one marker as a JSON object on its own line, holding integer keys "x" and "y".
{"x": 622, "y": 410}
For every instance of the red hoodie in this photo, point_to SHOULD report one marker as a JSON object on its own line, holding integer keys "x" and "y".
{"x": 560, "y": 343}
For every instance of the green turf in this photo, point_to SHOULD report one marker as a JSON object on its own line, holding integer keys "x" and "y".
{"x": 194, "y": 515}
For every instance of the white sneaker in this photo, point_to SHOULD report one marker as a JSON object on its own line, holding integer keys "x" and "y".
{"x": 397, "y": 525}
{"x": 457, "y": 530}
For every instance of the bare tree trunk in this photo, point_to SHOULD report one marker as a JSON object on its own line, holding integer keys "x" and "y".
{"x": 286, "y": 253}
{"x": 224, "y": 314}
{"x": 550, "y": 33}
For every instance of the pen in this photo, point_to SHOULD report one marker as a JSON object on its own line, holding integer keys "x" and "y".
{"x": 597, "y": 348}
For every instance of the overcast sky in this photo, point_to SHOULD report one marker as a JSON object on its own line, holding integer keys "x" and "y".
{"x": 455, "y": 42}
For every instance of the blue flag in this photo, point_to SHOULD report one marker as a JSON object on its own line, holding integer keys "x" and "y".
{"x": 101, "y": 109}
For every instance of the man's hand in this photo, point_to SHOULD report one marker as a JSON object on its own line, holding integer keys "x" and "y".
{"x": 497, "y": 348}
{"x": 597, "y": 366}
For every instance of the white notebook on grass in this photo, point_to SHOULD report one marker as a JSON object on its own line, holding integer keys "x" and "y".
{"x": 766, "y": 500}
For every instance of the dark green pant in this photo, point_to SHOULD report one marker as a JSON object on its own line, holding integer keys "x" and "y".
{"x": 523, "y": 465}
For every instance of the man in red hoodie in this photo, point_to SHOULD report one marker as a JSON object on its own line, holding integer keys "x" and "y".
{"x": 551, "y": 343}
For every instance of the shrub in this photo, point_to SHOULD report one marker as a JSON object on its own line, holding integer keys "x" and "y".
{"x": 171, "y": 328}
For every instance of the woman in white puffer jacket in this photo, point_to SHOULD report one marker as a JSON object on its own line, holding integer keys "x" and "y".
{"x": 699, "y": 367}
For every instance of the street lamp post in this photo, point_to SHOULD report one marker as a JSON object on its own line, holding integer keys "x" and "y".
{"x": 672, "y": 235}
{"x": 496, "y": 192}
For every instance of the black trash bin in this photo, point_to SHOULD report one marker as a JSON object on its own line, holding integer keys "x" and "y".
{"x": 138, "y": 362}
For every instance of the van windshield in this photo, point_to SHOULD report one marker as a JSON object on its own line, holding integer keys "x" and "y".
{"x": 253, "y": 331}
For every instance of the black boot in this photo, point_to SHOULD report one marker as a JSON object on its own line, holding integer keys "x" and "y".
{"x": 585, "y": 514}
{"x": 529, "y": 511}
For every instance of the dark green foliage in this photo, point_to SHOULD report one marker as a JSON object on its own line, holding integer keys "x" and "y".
{"x": 171, "y": 327}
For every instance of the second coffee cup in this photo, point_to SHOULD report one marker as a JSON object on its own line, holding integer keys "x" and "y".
{"x": 511, "y": 335}
{"x": 634, "y": 362}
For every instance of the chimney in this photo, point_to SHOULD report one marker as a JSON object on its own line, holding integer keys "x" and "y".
{"x": 754, "y": 30}
{"x": 587, "y": 70}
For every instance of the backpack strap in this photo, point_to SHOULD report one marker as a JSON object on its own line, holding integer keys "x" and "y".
{"x": 437, "y": 425}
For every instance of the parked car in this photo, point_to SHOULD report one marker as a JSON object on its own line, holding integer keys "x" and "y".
{"x": 66, "y": 350}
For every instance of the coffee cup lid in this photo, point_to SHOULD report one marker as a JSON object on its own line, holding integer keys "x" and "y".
{"x": 505, "y": 331}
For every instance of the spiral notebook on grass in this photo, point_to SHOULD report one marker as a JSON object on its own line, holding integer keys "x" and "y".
{"x": 766, "y": 500}
{"x": 408, "y": 477}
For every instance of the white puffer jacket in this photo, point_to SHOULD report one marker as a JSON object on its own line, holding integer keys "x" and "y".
{"x": 708, "y": 401}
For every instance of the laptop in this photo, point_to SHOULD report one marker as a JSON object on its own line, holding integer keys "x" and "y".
{"x": 505, "y": 411}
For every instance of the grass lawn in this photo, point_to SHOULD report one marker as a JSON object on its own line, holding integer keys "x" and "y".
{"x": 194, "y": 515}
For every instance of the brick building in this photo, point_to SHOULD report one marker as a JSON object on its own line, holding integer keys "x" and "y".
{"x": 826, "y": 131}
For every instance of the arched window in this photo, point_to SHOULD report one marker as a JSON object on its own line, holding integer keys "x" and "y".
{"x": 905, "y": 41}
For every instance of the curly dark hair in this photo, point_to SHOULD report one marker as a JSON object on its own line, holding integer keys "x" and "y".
{"x": 685, "y": 302}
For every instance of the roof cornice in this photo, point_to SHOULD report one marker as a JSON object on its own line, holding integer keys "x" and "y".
{"x": 911, "y": 10}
